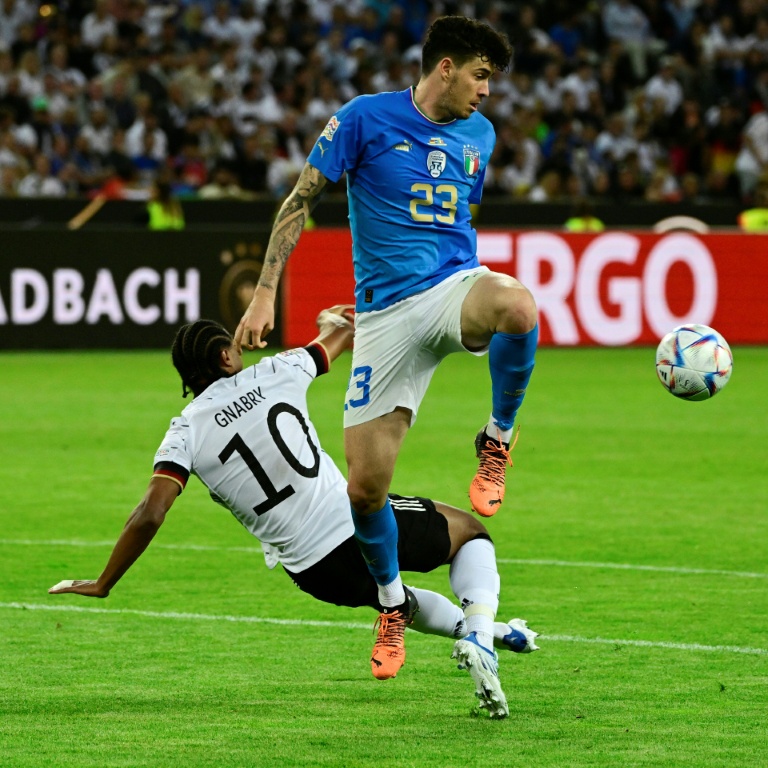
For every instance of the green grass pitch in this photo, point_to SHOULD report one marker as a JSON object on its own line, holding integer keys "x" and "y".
{"x": 633, "y": 538}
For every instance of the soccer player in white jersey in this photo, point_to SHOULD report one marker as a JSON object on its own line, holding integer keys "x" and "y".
{"x": 248, "y": 437}
{"x": 414, "y": 161}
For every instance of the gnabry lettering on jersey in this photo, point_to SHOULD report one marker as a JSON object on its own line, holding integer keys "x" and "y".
{"x": 238, "y": 407}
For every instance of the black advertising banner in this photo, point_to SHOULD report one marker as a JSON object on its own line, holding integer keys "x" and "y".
{"x": 125, "y": 289}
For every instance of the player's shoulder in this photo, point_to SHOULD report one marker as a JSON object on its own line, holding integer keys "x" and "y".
{"x": 372, "y": 103}
{"x": 479, "y": 124}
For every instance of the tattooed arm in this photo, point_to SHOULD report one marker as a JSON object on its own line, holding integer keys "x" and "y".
{"x": 259, "y": 318}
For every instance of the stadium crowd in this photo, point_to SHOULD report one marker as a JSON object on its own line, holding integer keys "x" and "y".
{"x": 658, "y": 100}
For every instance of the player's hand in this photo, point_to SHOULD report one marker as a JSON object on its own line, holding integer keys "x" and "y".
{"x": 332, "y": 315}
{"x": 87, "y": 588}
{"x": 257, "y": 322}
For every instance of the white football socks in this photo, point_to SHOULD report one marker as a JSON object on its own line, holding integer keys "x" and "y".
{"x": 391, "y": 595}
{"x": 475, "y": 582}
{"x": 492, "y": 430}
{"x": 437, "y": 615}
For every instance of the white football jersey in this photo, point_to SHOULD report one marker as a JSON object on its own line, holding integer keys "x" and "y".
{"x": 251, "y": 442}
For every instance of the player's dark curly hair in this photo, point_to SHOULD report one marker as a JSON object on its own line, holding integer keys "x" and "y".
{"x": 462, "y": 39}
{"x": 195, "y": 354}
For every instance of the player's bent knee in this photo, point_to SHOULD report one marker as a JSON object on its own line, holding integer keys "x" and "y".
{"x": 518, "y": 313}
{"x": 462, "y": 527}
{"x": 366, "y": 499}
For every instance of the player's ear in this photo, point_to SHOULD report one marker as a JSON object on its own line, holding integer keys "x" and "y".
{"x": 230, "y": 359}
{"x": 225, "y": 359}
{"x": 445, "y": 67}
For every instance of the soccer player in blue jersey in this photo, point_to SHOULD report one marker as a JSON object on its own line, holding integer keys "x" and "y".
{"x": 415, "y": 160}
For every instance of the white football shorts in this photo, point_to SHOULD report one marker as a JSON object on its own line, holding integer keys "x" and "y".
{"x": 397, "y": 349}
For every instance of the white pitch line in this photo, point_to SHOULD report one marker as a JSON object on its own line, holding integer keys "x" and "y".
{"x": 635, "y": 567}
{"x": 356, "y": 625}
{"x": 500, "y": 560}
{"x": 111, "y": 543}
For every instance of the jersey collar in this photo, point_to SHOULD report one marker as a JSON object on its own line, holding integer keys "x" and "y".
{"x": 412, "y": 91}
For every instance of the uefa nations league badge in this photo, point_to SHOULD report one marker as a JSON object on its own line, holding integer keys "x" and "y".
{"x": 436, "y": 163}
{"x": 471, "y": 160}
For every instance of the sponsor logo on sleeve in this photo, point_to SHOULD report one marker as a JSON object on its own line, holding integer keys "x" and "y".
{"x": 331, "y": 128}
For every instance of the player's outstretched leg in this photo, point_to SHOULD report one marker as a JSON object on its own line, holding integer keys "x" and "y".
{"x": 483, "y": 665}
{"x": 515, "y": 636}
{"x": 389, "y": 649}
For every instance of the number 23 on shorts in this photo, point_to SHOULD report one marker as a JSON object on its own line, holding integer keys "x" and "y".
{"x": 361, "y": 377}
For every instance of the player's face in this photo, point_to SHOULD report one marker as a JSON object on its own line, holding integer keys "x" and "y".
{"x": 232, "y": 360}
{"x": 467, "y": 87}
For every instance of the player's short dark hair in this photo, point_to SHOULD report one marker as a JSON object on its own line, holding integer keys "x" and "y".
{"x": 195, "y": 354}
{"x": 462, "y": 39}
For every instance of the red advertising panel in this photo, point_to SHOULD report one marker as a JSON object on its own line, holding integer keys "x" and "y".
{"x": 612, "y": 289}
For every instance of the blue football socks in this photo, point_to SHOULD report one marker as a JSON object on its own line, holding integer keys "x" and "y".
{"x": 511, "y": 360}
{"x": 376, "y": 535}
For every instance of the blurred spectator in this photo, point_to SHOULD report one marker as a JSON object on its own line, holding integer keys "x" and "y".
{"x": 228, "y": 71}
{"x": 224, "y": 185}
{"x": 582, "y": 85}
{"x": 30, "y": 74}
{"x": 40, "y": 182}
{"x": 547, "y": 189}
{"x": 145, "y": 73}
{"x": 12, "y": 100}
{"x": 221, "y": 28}
{"x": 13, "y": 15}
{"x": 628, "y": 183}
{"x": 663, "y": 187}
{"x": 97, "y": 131}
{"x": 255, "y": 105}
{"x": 725, "y": 51}
{"x": 339, "y": 63}
{"x": 146, "y": 124}
{"x": 752, "y": 161}
{"x": 724, "y": 138}
{"x": 98, "y": 25}
{"x": 251, "y": 164}
{"x": 624, "y": 22}
{"x": 614, "y": 143}
{"x": 247, "y": 26}
{"x": 566, "y": 36}
{"x": 519, "y": 177}
{"x": 664, "y": 87}
{"x": 533, "y": 46}
{"x": 196, "y": 78}
{"x": 755, "y": 219}
{"x": 548, "y": 88}
{"x": 61, "y": 71}
{"x": 189, "y": 164}
{"x": 9, "y": 180}
{"x": 583, "y": 219}
{"x": 120, "y": 103}
{"x": 164, "y": 211}
{"x": 325, "y": 103}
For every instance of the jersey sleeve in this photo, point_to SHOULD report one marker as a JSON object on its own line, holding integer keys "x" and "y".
{"x": 312, "y": 360}
{"x": 476, "y": 195}
{"x": 487, "y": 139}
{"x": 338, "y": 147}
{"x": 173, "y": 459}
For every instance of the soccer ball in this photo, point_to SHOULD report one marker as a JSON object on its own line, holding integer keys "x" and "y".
{"x": 693, "y": 362}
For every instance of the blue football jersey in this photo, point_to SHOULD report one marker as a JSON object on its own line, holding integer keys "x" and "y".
{"x": 410, "y": 182}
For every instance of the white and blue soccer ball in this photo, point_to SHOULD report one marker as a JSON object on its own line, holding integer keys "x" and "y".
{"x": 693, "y": 362}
